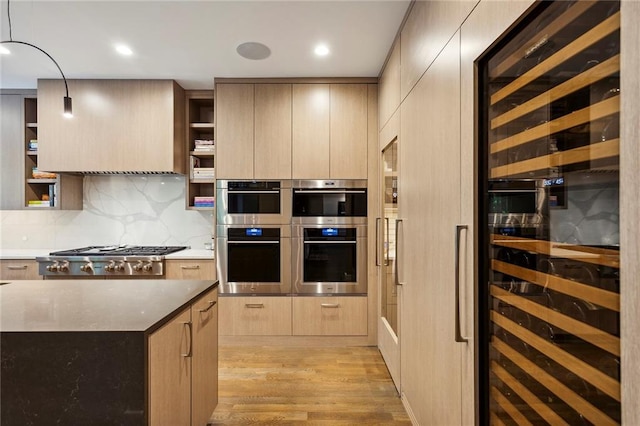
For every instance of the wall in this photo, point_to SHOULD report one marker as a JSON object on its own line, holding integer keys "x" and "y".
{"x": 137, "y": 210}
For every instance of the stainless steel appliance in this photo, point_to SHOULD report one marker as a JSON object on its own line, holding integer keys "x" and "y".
{"x": 329, "y": 259}
{"x": 329, "y": 202}
{"x": 254, "y": 260}
{"x": 110, "y": 261}
{"x": 253, "y": 202}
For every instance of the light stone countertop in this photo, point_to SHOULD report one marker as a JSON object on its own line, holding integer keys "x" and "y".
{"x": 93, "y": 305}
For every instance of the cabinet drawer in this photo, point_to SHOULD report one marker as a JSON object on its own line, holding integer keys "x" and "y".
{"x": 329, "y": 316}
{"x": 19, "y": 270}
{"x": 178, "y": 269}
{"x": 255, "y": 316}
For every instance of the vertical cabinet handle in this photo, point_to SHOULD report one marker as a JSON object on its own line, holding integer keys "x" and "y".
{"x": 398, "y": 222}
{"x": 190, "y": 347}
{"x": 211, "y": 305}
{"x": 378, "y": 219}
{"x": 459, "y": 337}
{"x": 386, "y": 260}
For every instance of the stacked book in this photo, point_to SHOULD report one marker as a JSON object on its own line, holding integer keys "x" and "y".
{"x": 203, "y": 145}
{"x": 203, "y": 173}
{"x": 39, "y": 203}
{"x": 32, "y": 146}
{"x": 37, "y": 174}
{"x": 202, "y": 201}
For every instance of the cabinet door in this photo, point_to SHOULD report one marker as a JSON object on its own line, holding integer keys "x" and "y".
{"x": 204, "y": 269}
{"x": 11, "y": 160}
{"x": 234, "y": 131}
{"x": 19, "y": 270}
{"x": 329, "y": 316}
{"x": 348, "y": 124}
{"x": 170, "y": 373}
{"x": 255, "y": 316}
{"x": 390, "y": 86}
{"x": 204, "y": 386}
{"x": 272, "y": 131}
{"x": 311, "y": 131}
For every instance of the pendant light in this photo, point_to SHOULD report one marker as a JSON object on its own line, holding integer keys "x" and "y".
{"x": 68, "y": 110}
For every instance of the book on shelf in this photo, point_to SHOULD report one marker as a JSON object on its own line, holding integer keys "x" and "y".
{"x": 39, "y": 203}
{"x": 37, "y": 174}
{"x": 204, "y": 201}
{"x": 32, "y": 145}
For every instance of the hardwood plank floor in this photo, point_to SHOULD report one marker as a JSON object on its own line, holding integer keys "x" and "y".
{"x": 305, "y": 385}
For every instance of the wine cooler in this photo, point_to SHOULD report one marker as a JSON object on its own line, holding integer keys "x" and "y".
{"x": 548, "y": 123}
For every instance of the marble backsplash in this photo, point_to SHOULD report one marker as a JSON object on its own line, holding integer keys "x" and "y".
{"x": 136, "y": 210}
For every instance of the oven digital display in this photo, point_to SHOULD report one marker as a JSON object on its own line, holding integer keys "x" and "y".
{"x": 254, "y": 232}
{"x": 329, "y": 232}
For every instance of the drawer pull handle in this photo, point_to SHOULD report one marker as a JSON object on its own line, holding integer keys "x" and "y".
{"x": 190, "y": 266}
{"x": 254, "y": 305}
{"x": 330, "y": 305}
{"x": 17, "y": 267}
{"x": 211, "y": 305}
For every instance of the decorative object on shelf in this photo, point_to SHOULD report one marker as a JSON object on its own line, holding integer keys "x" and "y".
{"x": 68, "y": 111}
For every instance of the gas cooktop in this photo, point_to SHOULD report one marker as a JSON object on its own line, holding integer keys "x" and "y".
{"x": 119, "y": 251}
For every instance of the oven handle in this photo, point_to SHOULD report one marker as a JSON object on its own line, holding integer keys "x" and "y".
{"x": 254, "y": 242}
{"x": 329, "y": 191}
{"x": 331, "y": 242}
{"x": 232, "y": 191}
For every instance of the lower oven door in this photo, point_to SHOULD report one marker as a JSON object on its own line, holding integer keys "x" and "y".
{"x": 330, "y": 260}
{"x": 254, "y": 260}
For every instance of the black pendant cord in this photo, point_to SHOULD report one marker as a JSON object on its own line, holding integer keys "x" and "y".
{"x": 11, "y": 40}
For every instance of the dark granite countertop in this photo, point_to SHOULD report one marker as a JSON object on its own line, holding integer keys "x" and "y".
{"x": 94, "y": 305}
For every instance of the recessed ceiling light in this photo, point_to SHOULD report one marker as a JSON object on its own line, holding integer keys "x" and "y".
{"x": 4, "y": 50}
{"x": 253, "y": 50}
{"x": 322, "y": 50}
{"x": 124, "y": 50}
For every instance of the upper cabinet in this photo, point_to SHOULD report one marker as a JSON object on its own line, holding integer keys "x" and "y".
{"x": 390, "y": 86}
{"x": 348, "y": 143}
{"x": 117, "y": 126}
{"x": 311, "y": 121}
{"x": 253, "y": 131}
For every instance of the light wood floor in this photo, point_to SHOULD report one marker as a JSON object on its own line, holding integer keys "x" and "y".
{"x": 284, "y": 385}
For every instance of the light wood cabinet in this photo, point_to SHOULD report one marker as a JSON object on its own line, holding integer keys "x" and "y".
{"x": 311, "y": 121}
{"x": 183, "y": 366}
{"x": 11, "y": 144}
{"x": 272, "y": 144}
{"x": 234, "y": 131}
{"x": 348, "y": 125}
{"x": 19, "y": 270}
{"x": 330, "y": 316}
{"x": 117, "y": 126}
{"x": 186, "y": 269}
{"x": 389, "y": 86}
{"x": 255, "y": 316}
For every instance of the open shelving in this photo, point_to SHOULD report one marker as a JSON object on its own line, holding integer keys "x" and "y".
{"x": 201, "y": 149}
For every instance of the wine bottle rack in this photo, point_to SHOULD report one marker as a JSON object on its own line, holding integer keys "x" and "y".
{"x": 549, "y": 124}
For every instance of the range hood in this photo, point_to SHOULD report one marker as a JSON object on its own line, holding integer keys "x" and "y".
{"x": 118, "y": 127}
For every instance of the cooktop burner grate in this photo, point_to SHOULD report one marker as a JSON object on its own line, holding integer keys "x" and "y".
{"x": 119, "y": 251}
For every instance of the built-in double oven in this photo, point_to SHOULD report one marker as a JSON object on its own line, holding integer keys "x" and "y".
{"x": 298, "y": 237}
{"x": 329, "y": 237}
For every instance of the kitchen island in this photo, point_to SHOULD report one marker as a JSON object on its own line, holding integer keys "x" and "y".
{"x": 80, "y": 352}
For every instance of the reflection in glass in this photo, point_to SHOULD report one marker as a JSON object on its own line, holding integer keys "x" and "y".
{"x": 389, "y": 300}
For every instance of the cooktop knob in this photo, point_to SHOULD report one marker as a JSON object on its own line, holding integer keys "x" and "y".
{"x": 110, "y": 267}
{"x": 147, "y": 267}
{"x": 64, "y": 266}
{"x": 53, "y": 267}
{"x": 87, "y": 267}
{"x": 138, "y": 266}
{"x": 119, "y": 266}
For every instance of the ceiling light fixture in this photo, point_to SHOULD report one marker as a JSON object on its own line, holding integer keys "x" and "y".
{"x": 124, "y": 50}
{"x": 68, "y": 111}
{"x": 321, "y": 50}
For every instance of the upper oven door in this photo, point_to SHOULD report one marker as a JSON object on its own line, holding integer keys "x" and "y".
{"x": 327, "y": 202}
{"x": 253, "y": 202}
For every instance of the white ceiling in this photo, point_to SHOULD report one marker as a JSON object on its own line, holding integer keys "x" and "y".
{"x": 195, "y": 41}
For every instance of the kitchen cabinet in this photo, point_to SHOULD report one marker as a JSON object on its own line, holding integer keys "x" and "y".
{"x": 389, "y": 85}
{"x": 201, "y": 149}
{"x": 255, "y": 316}
{"x": 310, "y": 128}
{"x": 330, "y": 316}
{"x": 183, "y": 366}
{"x": 254, "y": 131}
{"x": 26, "y": 269}
{"x": 13, "y": 150}
{"x": 118, "y": 126}
{"x": 196, "y": 269}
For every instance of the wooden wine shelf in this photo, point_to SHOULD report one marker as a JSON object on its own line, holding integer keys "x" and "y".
{"x": 596, "y": 151}
{"x": 597, "y": 296}
{"x": 509, "y": 408}
{"x": 495, "y": 420}
{"x": 594, "y": 255}
{"x": 585, "y": 115}
{"x": 586, "y": 332}
{"x": 527, "y": 396}
{"x": 589, "y": 38}
{"x": 597, "y": 378}
{"x": 571, "y": 398}
{"x": 578, "y": 82}
{"x": 547, "y": 32}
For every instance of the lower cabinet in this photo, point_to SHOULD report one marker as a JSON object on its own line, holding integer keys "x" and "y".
{"x": 330, "y": 316}
{"x": 19, "y": 270}
{"x": 255, "y": 316}
{"x": 183, "y": 366}
{"x": 190, "y": 269}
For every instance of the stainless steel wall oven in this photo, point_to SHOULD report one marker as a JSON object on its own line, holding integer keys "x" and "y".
{"x": 253, "y": 202}
{"x": 329, "y": 201}
{"x": 254, "y": 260}
{"x": 329, "y": 259}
